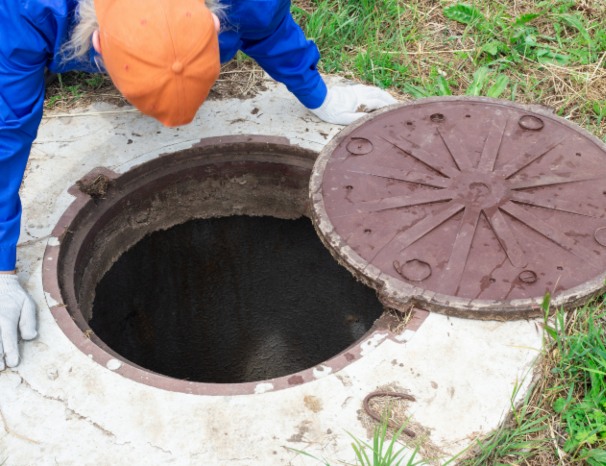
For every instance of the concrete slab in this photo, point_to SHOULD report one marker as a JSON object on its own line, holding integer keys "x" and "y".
{"x": 61, "y": 407}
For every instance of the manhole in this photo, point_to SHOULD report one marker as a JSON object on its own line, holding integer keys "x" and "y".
{"x": 468, "y": 206}
{"x": 201, "y": 266}
{"x": 237, "y": 299}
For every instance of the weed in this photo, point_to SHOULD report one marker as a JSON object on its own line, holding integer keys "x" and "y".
{"x": 77, "y": 88}
{"x": 382, "y": 452}
{"x": 599, "y": 108}
{"x": 96, "y": 81}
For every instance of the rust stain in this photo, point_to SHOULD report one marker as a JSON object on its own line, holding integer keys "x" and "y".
{"x": 295, "y": 380}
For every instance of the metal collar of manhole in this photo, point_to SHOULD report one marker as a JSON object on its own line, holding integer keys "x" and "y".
{"x": 468, "y": 206}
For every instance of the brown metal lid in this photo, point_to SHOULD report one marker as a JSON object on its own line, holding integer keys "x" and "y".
{"x": 464, "y": 205}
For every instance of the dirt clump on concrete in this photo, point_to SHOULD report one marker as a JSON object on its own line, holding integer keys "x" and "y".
{"x": 95, "y": 186}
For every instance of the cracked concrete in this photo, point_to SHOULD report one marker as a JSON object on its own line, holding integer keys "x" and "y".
{"x": 59, "y": 406}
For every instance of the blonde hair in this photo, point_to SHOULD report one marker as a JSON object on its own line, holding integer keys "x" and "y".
{"x": 80, "y": 41}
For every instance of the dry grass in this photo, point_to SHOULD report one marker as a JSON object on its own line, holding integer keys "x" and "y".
{"x": 240, "y": 78}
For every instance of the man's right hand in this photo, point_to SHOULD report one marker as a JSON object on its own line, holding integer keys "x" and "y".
{"x": 345, "y": 104}
{"x": 17, "y": 309}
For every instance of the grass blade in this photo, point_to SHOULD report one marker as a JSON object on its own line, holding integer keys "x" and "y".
{"x": 480, "y": 77}
{"x": 498, "y": 87}
{"x": 463, "y": 13}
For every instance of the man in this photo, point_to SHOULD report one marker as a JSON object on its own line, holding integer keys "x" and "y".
{"x": 163, "y": 56}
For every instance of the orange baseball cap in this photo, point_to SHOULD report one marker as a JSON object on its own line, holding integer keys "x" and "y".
{"x": 162, "y": 55}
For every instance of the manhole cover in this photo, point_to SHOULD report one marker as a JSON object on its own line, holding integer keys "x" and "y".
{"x": 468, "y": 206}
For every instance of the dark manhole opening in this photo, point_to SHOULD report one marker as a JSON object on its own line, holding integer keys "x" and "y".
{"x": 231, "y": 299}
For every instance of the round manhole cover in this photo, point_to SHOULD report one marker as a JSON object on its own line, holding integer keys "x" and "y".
{"x": 469, "y": 206}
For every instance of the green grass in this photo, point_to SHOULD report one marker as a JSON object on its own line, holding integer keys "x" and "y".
{"x": 548, "y": 52}
{"x": 383, "y": 452}
{"x": 76, "y": 88}
{"x": 581, "y": 400}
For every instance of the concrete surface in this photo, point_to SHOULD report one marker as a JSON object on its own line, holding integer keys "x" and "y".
{"x": 59, "y": 407}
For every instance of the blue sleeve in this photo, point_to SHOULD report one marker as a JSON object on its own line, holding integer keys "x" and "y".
{"x": 288, "y": 57}
{"x": 23, "y": 55}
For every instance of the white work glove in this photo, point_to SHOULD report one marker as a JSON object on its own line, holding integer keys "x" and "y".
{"x": 17, "y": 309}
{"x": 345, "y": 104}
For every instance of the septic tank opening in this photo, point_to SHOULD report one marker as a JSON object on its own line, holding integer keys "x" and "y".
{"x": 232, "y": 299}
{"x": 202, "y": 266}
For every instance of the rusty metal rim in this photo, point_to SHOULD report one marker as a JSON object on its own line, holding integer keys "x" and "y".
{"x": 400, "y": 295}
{"x": 76, "y": 328}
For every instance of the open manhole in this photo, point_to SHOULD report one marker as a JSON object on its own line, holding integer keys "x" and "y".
{"x": 469, "y": 206}
{"x": 203, "y": 266}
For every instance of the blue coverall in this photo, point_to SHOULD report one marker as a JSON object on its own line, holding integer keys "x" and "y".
{"x": 31, "y": 35}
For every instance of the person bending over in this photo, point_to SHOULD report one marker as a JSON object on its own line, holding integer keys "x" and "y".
{"x": 163, "y": 56}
